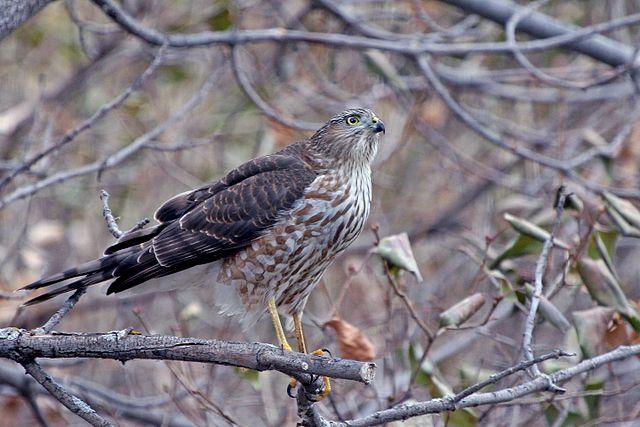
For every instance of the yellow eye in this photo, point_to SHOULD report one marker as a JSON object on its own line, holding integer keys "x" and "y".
{"x": 353, "y": 120}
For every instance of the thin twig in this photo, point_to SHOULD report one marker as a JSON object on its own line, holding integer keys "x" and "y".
{"x": 403, "y": 297}
{"x": 556, "y": 354}
{"x": 573, "y": 37}
{"x": 73, "y": 403}
{"x": 88, "y": 123}
{"x": 541, "y": 266}
{"x": 112, "y": 226}
{"x": 62, "y": 311}
{"x": 120, "y": 155}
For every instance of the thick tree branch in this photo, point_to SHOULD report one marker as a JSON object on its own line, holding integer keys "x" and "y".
{"x": 14, "y": 13}
{"x": 566, "y": 36}
{"x": 19, "y": 344}
{"x": 543, "y": 26}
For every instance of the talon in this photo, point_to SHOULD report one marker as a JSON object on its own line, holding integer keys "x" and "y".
{"x": 321, "y": 352}
{"x": 326, "y": 389}
{"x": 291, "y": 386}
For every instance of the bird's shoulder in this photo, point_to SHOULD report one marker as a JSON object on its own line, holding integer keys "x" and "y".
{"x": 265, "y": 170}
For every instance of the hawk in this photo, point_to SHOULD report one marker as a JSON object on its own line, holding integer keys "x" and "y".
{"x": 262, "y": 236}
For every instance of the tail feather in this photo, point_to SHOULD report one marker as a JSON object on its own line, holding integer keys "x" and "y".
{"x": 89, "y": 280}
{"x": 101, "y": 264}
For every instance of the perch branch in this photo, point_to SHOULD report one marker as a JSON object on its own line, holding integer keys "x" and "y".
{"x": 19, "y": 344}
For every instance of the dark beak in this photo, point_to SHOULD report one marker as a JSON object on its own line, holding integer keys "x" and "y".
{"x": 378, "y": 127}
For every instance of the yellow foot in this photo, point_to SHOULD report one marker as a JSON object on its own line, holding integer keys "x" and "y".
{"x": 326, "y": 389}
{"x": 320, "y": 394}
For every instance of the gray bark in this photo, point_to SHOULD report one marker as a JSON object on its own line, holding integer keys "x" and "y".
{"x": 543, "y": 26}
{"x": 14, "y": 12}
{"x": 19, "y": 344}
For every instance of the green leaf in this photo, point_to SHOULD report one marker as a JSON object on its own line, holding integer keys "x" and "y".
{"x": 625, "y": 208}
{"x": 220, "y": 20}
{"x": 625, "y": 228}
{"x": 396, "y": 250}
{"x": 593, "y": 402}
{"x": 528, "y": 228}
{"x": 521, "y": 246}
{"x": 604, "y": 288}
{"x": 249, "y": 375}
{"x": 603, "y": 244}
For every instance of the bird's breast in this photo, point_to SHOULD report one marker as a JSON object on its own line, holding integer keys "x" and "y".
{"x": 290, "y": 258}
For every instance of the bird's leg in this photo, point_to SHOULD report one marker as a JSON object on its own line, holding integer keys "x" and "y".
{"x": 282, "y": 339}
{"x": 302, "y": 348}
{"x": 297, "y": 325}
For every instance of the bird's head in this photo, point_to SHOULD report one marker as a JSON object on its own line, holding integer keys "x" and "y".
{"x": 350, "y": 136}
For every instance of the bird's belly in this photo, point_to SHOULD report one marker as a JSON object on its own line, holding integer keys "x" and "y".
{"x": 288, "y": 262}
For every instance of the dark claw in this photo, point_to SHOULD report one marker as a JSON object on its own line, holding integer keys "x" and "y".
{"x": 290, "y": 391}
{"x": 326, "y": 350}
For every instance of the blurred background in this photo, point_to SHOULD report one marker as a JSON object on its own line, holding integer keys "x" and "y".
{"x": 86, "y": 106}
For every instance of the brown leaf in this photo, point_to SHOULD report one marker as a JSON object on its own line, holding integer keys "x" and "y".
{"x": 353, "y": 343}
{"x": 435, "y": 113}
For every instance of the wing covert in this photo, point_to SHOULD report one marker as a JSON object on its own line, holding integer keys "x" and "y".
{"x": 248, "y": 201}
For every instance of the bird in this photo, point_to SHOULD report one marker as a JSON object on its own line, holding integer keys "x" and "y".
{"x": 262, "y": 236}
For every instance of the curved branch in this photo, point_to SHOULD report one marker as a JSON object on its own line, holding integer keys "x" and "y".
{"x": 449, "y": 403}
{"x": 123, "y": 345}
{"x": 14, "y": 13}
{"x": 563, "y": 35}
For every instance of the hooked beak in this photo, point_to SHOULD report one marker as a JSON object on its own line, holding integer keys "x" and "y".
{"x": 378, "y": 126}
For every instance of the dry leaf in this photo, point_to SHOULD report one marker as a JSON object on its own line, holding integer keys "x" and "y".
{"x": 462, "y": 311}
{"x": 396, "y": 250}
{"x": 618, "y": 333}
{"x": 353, "y": 343}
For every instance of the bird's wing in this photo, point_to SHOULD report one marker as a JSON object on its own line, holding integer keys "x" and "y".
{"x": 197, "y": 227}
{"x": 238, "y": 209}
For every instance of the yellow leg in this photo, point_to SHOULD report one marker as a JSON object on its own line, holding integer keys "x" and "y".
{"x": 297, "y": 325}
{"x": 282, "y": 339}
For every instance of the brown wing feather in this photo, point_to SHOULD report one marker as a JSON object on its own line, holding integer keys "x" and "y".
{"x": 200, "y": 226}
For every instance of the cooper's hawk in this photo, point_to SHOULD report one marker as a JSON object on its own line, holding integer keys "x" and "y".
{"x": 262, "y": 236}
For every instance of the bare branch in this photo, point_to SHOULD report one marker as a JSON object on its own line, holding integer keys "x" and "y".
{"x": 545, "y": 27}
{"x": 122, "y": 405}
{"x": 124, "y": 345}
{"x": 101, "y": 112}
{"x": 445, "y": 404}
{"x": 244, "y": 83}
{"x": 15, "y": 13}
{"x": 541, "y": 266}
{"x": 117, "y": 157}
{"x": 62, "y": 311}
{"x": 74, "y": 404}
{"x": 112, "y": 226}
{"x": 562, "y": 35}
